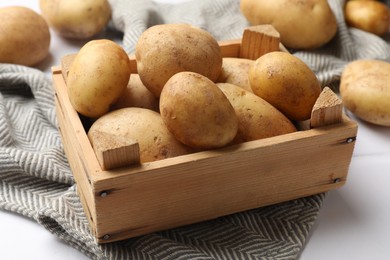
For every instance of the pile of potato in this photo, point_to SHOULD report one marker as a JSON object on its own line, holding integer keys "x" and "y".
{"x": 186, "y": 97}
{"x": 310, "y": 24}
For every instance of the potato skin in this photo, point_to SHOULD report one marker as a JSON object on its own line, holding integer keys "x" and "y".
{"x": 257, "y": 118}
{"x": 164, "y": 50}
{"x": 287, "y": 83}
{"x": 302, "y": 24}
{"x": 197, "y": 112}
{"x": 365, "y": 90}
{"x": 370, "y": 16}
{"x": 137, "y": 95}
{"x": 236, "y": 71}
{"x": 146, "y": 127}
{"x": 24, "y": 37}
{"x": 76, "y": 19}
{"x": 97, "y": 77}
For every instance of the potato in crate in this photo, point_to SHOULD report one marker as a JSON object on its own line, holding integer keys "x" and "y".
{"x": 125, "y": 195}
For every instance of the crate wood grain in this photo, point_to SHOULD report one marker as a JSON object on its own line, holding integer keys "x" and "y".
{"x": 141, "y": 198}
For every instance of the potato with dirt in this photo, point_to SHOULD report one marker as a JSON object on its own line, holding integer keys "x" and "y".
{"x": 257, "y": 119}
{"x": 197, "y": 112}
{"x": 166, "y": 49}
{"x": 287, "y": 83}
{"x": 97, "y": 77}
{"x": 365, "y": 90}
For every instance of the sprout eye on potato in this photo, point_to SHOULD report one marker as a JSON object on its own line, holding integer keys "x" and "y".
{"x": 164, "y": 50}
{"x": 24, "y": 37}
{"x": 97, "y": 77}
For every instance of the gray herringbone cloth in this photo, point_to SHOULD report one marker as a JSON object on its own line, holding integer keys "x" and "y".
{"x": 36, "y": 181}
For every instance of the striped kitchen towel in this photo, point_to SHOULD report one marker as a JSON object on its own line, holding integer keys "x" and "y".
{"x": 36, "y": 181}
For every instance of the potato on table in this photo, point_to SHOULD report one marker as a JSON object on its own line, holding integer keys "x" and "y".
{"x": 370, "y": 16}
{"x": 164, "y": 50}
{"x": 24, "y": 36}
{"x": 76, "y": 19}
{"x": 365, "y": 90}
{"x": 302, "y": 24}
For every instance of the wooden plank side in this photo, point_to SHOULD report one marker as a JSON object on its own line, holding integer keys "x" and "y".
{"x": 327, "y": 110}
{"x": 72, "y": 118}
{"x": 263, "y": 173}
{"x": 74, "y": 139}
{"x": 230, "y": 48}
{"x": 84, "y": 189}
{"x": 259, "y": 40}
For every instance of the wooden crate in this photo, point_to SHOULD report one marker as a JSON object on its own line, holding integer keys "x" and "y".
{"x": 143, "y": 198}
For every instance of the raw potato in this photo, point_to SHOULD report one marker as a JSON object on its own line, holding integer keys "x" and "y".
{"x": 302, "y": 24}
{"x": 365, "y": 90}
{"x": 24, "y": 37}
{"x": 236, "y": 71}
{"x": 370, "y": 16}
{"x": 97, "y": 77}
{"x": 136, "y": 95}
{"x": 287, "y": 83}
{"x": 257, "y": 118}
{"x": 197, "y": 112}
{"x": 164, "y": 50}
{"x": 146, "y": 127}
{"x": 76, "y": 19}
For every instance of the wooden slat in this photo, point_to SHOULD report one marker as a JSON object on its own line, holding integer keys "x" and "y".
{"x": 327, "y": 110}
{"x": 258, "y": 40}
{"x": 66, "y": 63}
{"x": 114, "y": 151}
{"x": 210, "y": 184}
{"x": 77, "y": 147}
{"x": 133, "y": 64}
{"x": 230, "y": 48}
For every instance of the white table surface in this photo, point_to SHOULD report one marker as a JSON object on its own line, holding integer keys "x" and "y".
{"x": 354, "y": 222}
